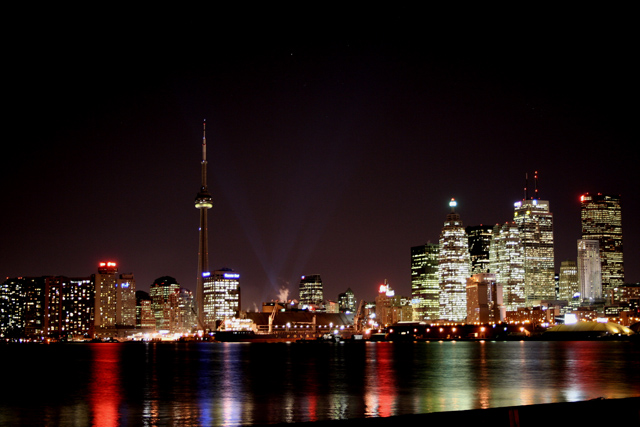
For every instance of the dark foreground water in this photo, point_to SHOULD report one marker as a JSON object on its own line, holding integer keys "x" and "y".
{"x": 231, "y": 384}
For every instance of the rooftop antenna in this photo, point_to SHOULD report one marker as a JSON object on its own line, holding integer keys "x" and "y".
{"x": 536, "y": 186}
{"x": 526, "y": 183}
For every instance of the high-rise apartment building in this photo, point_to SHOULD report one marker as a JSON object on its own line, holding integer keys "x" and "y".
{"x": 479, "y": 243}
{"x": 54, "y": 307}
{"x": 507, "y": 263}
{"x": 601, "y": 216}
{"x": 425, "y": 282}
{"x": 221, "y": 297}
{"x": 453, "y": 267}
{"x": 589, "y": 270}
{"x": 115, "y": 298}
{"x": 311, "y": 291}
{"x": 22, "y": 308}
{"x": 535, "y": 222}
{"x": 105, "y": 284}
{"x": 569, "y": 285}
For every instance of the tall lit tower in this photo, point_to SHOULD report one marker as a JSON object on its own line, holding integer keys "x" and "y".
{"x": 203, "y": 202}
{"x": 453, "y": 267}
{"x": 535, "y": 222}
{"x": 602, "y": 220}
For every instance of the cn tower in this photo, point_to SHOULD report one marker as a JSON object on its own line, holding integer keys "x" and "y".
{"x": 203, "y": 202}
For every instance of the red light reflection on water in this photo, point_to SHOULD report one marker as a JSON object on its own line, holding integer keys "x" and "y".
{"x": 105, "y": 388}
{"x": 381, "y": 394}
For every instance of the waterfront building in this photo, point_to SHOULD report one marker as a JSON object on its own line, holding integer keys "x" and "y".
{"x": 114, "y": 303}
{"x": 145, "y": 318}
{"x": 601, "y": 216}
{"x": 164, "y": 293}
{"x": 535, "y": 222}
{"x": 484, "y": 299}
{"x": 126, "y": 300}
{"x": 391, "y": 308}
{"x": 589, "y": 270}
{"x": 311, "y": 292}
{"x": 203, "y": 203}
{"x": 55, "y": 307}
{"x": 479, "y": 247}
{"x": 425, "y": 282}
{"x": 569, "y": 286}
{"x": 507, "y": 263}
{"x": 347, "y": 301}
{"x": 453, "y": 267}
{"x": 22, "y": 307}
{"x": 105, "y": 285}
{"x": 68, "y": 307}
{"x": 221, "y": 297}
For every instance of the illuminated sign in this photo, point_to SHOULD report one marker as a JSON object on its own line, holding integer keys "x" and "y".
{"x": 206, "y": 274}
{"x": 231, "y": 276}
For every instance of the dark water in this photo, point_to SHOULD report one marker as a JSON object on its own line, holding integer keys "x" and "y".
{"x": 231, "y": 384}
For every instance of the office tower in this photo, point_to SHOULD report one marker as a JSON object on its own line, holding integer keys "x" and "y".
{"x": 589, "y": 270}
{"x": 164, "y": 293}
{"x": 425, "y": 282}
{"x": 221, "y": 297}
{"x": 144, "y": 314}
{"x": 105, "y": 284}
{"x": 203, "y": 203}
{"x": 311, "y": 291}
{"x": 535, "y": 222}
{"x": 479, "y": 242}
{"x": 602, "y": 220}
{"x": 347, "y": 301}
{"x": 484, "y": 299}
{"x": 453, "y": 267}
{"x": 569, "y": 285}
{"x": 126, "y": 300}
{"x": 507, "y": 263}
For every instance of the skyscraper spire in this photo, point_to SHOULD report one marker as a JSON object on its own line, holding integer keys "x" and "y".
{"x": 203, "y": 202}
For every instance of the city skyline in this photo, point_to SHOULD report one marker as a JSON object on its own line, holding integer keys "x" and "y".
{"x": 332, "y": 156}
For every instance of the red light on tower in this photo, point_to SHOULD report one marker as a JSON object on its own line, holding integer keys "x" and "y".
{"x": 107, "y": 267}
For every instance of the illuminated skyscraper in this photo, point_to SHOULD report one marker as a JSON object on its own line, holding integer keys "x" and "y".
{"x": 535, "y": 222}
{"x": 203, "y": 203}
{"x": 311, "y": 291}
{"x": 425, "y": 282}
{"x": 165, "y": 293}
{"x": 569, "y": 285}
{"x": 507, "y": 263}
{"x": 105, "y": 295}
{"x": 589, "y": 270}
{"x": 453, "y": 268}
{"x": 221, "y": 297}
{"x": 602, "y": 220}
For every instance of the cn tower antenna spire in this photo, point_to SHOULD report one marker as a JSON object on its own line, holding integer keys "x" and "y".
{"x": 204, "y": 202}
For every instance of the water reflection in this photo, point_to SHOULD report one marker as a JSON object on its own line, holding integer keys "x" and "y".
{"x": 234, "y": 384}
{"x": 105, "y": 391}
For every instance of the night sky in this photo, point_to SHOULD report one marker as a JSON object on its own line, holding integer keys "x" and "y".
{"x": 336, "y": 137}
